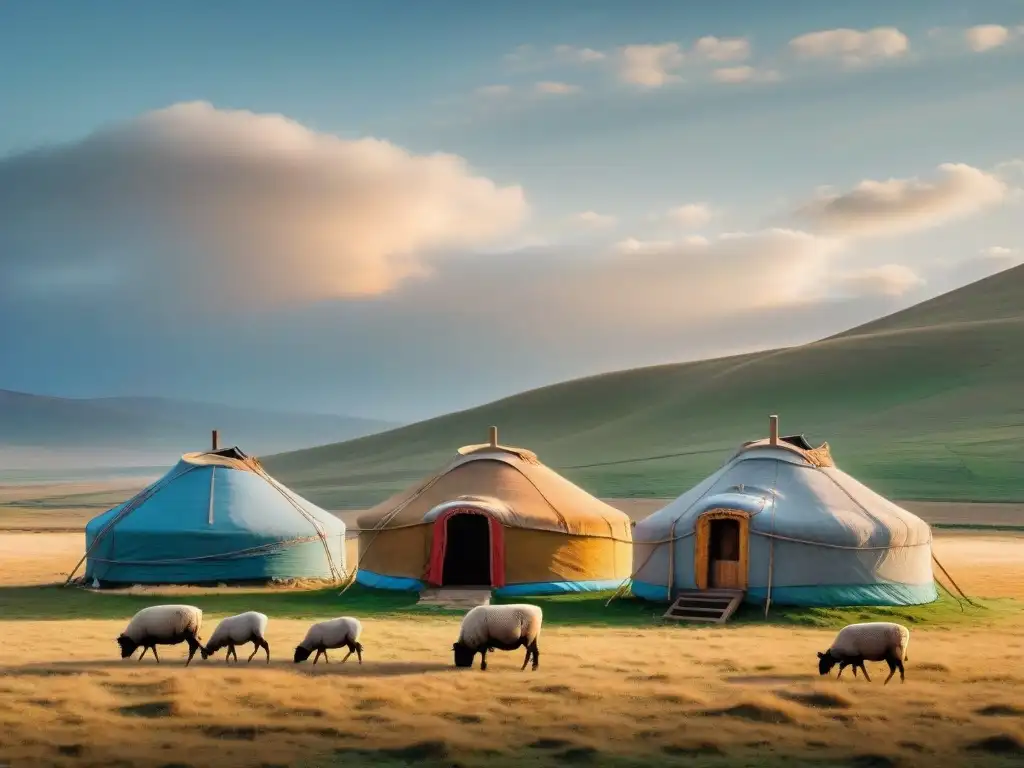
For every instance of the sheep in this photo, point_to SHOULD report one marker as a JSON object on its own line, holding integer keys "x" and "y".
{"x": 334, "y": 633}
{"x": 163, "y": 625}
{"x": 871, "y": 641}
{"x": 248, "y": 627}
{"x": 498, "y": 627}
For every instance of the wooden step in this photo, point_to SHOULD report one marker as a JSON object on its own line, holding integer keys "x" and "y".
{"x": 713, "y": 606}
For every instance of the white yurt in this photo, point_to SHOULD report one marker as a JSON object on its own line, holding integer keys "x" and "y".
{"x": 782, "y": 523}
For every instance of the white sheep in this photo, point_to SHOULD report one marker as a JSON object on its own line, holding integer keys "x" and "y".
{"x": 163, "y": 625}
{"x": 248, "y": 627}
{"x": 872, "y": 641}
{"x": 498, "y": 627}
{"x": 334, "y": 633}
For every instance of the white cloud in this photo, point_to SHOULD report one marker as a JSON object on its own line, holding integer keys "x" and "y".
{"x": 722, "y": 49}
{"x": 897, "y": 206}
{"x": 574, "y": 55}
{"x": 745, "y": 74}
{"x": 650, "y": 66}
{"x": 886, "y": 280}
{"x": 703, "y": 277}
{"x": 997, "y": 251}
{"x": 555, "y": 88}
{"x": 595, "y": 220}
{"x": 240, "y": 208}
{"x": 491, "y": 91}
{"x": 985, "y": 37}
{"x": 691, "y": 214}
{"x": 852, "y": 47}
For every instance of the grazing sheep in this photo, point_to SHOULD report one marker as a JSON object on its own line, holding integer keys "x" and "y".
{"x": 498, "y": 627}
{"x": 163, "y": 625}
{"x": 871, "y": 641}
{"x": 335, "y": 633}
{"x": 248, "y": 627}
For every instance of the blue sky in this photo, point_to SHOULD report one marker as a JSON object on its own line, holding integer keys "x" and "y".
{"x": 747, "y": 137}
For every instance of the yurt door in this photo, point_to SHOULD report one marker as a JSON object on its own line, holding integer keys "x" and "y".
{"x": 722, "y": 550}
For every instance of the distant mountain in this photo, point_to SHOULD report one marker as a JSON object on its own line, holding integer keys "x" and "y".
{"x": 158, "y": 427}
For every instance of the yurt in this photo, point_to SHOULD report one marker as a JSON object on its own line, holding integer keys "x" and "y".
{"x": 216, "y": 517}
{"x": 782, "y": 523}
{"x": 495, "y": 517}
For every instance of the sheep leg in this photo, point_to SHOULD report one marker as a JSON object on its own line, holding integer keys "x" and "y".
{"x": 483, "y": 660}
{"x": 842, "y": 666}
{"x": 347, "y": 655}
{"x": 892, "y": 670}
{"x": 266, "y": 647}
{"x": 144, "y": 649}
{"x": 326, "y": 660}
{"x": 153, "y": 648}
{"x": 536, "y": 656}
{"x": 359, "y": 652}
{"x": 529, "y": 653}
{"x": 318, "y": 652}
{"x": 257, "y": 643}
{"x": 864, "y": 670}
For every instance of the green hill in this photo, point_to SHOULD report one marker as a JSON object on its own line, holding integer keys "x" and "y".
{"x": 925, "y": 404}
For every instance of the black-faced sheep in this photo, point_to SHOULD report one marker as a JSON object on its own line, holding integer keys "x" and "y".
{"x": 498, "y": 627}
{"x": 163, "y": 625}
{"x": 248, "y": 627}
{"x": 335, "y": 633}
{"x": 872, "y": 641}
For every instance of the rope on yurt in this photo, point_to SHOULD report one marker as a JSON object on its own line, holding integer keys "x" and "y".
{"x": 626, "y": 581}
{"x": 947, "y": 590}
{"x": 233, "y": 555}
{"x": 257, "y": 468}
{"x": 771, "y": 542}
{"x": 387, "y": 518}
{"x": 953, "y": 582}
{"x": 130, "y": 506}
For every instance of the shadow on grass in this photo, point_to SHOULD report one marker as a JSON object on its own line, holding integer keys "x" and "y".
{"x": 58, "y": 603}
{"x": 348, "y": 669}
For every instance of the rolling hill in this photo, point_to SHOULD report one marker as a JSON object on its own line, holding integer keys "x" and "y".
{"x": 925, "y": 404}
{"x": 152, "y": 427}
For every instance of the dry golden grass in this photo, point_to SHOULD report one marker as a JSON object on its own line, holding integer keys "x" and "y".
{"x": 657, "y": 694}
{"x": 601, "y": 697}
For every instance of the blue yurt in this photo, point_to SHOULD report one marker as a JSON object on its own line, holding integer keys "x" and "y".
{"x": 216, "y": 517}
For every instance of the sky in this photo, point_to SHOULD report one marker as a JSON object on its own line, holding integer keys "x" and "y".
{"x": 396, "y": 209}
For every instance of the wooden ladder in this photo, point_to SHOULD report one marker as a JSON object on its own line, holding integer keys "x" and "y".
{"x": 713, "y": 606}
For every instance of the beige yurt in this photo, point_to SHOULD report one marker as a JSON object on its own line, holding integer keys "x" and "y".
{"x": 495, "y": 516}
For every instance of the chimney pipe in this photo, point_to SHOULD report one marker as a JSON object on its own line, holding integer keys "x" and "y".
{"x": 494, "y": 437}
{"x": 773, "y": 430}
{"x": 213, "y": 439}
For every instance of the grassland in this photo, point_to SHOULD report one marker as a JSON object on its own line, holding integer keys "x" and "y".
{"x": 924, "y": 405}
{"x": 617, "y": 686}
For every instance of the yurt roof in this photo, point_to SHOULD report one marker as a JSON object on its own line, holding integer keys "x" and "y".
{"x": 791, "y": 490}
{"x": 509, "y": 483}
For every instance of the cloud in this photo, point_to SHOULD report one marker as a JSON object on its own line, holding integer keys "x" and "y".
{"x": 745, "y": 74}
{"x": 691, "y": 214}
{"x": 650, "y": 66}
{"x": 898, "y": 206}
{"x": 854, "y": 48}
{"x": 555, "y": 88}
{"x": 574, "y": 55}
{"x": 722, "y": 49}
{"x": 233, "y": 208}
{"x": 595, "y": 220}
{"x": 985, "y": 37}
{"x": 997, "y": 251}
{"x": 491, "y": 91}
{"x": 886, "y": 280}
